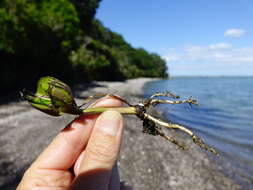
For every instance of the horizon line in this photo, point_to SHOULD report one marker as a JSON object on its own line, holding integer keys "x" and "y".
{"x": 189, "y": 76}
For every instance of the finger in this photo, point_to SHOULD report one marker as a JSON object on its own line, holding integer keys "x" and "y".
{"x": 103, "y": 147}
{"x": 66, "y": 147}
{"x": 101, "y": 152}
{"x": 114, "y": 180}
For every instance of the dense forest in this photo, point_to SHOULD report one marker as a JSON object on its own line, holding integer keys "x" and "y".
{"x": 62, "y": 38}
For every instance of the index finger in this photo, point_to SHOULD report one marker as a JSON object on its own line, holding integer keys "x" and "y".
{"x": 68, "y": 144}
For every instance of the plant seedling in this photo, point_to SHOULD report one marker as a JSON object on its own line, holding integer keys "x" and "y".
{"x": 55, "y": 98}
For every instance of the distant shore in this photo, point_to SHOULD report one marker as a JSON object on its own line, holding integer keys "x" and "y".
{"x": 146, "y": 162}
{"x": 210, "y": 76}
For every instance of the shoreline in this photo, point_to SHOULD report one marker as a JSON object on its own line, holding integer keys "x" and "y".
{"x": 146, "y": 162}
{"x": 222, "y": 165}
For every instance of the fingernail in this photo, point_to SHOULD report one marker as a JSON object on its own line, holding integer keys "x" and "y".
{"x": 109, "y": 122}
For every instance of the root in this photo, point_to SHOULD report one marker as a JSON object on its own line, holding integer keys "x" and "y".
{"x": 172, "y": 140}
{"x": 154, "y": 102}
{"x": 201, "y": 144}
{"x": 151, "y": 125}
{"x": 166, "y": 94}
{"x": 194, "y": 137}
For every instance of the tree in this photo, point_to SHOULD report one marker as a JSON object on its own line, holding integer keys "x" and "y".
{"x": 86, "y": 10}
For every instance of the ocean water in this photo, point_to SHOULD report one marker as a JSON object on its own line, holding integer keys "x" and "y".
{"x": 224, "y": 118}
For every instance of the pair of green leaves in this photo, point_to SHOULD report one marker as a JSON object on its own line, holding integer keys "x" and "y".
{"x": 52, "y": 97}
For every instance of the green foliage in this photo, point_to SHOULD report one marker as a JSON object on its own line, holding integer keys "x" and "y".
{"x": 86, "y": 10}
{"x": 62, "y": 38}
{"x": 60, "y": 16}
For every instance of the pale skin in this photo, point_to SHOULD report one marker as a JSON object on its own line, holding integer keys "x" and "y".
{"x": 82, "y": 156}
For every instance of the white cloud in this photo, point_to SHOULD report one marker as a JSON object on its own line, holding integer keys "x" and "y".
{"x": 172, "y": 57}
{"x": 193, "y": 48}
{"x": 214, "y": 53}
{"x": 219, "y": 46}
{"x": 234, "y": 32}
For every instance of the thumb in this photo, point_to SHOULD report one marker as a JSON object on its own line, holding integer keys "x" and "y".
{"x": 102, "y": 149}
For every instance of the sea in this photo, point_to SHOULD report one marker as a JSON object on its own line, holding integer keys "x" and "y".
{"x": 224, "y": 117}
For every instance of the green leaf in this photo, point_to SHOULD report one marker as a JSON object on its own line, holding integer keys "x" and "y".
{"x": 52, "y": 97}
{"x": 41, "y": 103}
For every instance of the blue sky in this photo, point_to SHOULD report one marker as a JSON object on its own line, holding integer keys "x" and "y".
{"x": 195, "y": 37}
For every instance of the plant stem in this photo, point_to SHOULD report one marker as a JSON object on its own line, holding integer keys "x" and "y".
{"x": 122, "y": 110}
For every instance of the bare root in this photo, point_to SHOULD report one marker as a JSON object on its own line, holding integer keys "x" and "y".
{"x": 201, "y": 144}
{"x": 165, "y": 94}
{"x": 150, "y": 122}
{"x": 154, "y": 102}
{"x": 172, "y": 140}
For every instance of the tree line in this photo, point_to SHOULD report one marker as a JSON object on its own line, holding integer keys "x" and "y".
{"x": 62, "y": 38}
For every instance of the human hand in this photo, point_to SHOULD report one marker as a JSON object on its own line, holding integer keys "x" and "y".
{"x": 82, "y": 156}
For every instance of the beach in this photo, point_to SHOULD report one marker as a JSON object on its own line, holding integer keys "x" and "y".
{"x": 145, "y": 162}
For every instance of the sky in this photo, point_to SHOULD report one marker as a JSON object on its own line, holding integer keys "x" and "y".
{"x": 195, "y": 37}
